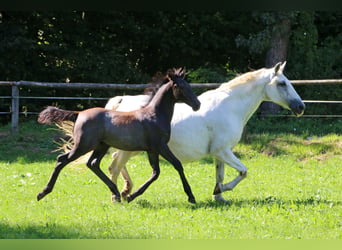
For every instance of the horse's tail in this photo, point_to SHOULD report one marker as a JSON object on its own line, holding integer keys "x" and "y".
{"x": 55, "y": 115}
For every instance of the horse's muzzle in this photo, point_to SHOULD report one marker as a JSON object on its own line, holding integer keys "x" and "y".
{"x": 297, "y": 107}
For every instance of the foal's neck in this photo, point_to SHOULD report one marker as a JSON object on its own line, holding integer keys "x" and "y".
{"x": 163, "y": 101}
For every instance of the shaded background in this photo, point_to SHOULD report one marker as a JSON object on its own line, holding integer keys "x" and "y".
{"x": 131, "y": 46}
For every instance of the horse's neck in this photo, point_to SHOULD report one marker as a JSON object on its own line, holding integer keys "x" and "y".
{"x": 163, "y": 102}
{"x": 247, "y": 97}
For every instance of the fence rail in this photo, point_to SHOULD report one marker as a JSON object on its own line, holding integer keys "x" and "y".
{"x": 15, "y": 97}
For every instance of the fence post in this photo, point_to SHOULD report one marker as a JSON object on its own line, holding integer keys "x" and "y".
{"x": 15, "y": 109}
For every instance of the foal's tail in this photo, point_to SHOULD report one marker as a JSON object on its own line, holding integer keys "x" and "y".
{"x": 55, "y": 115}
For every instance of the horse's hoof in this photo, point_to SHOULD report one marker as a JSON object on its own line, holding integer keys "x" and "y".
{"x": 125, "y": 194}
{"x": 217, "y": 189}
{"x": 219, "y": 198}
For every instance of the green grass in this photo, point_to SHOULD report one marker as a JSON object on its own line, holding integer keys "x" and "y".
{"x": 293, "y": 190}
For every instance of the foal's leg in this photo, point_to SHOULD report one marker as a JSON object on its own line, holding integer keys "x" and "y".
{"x": 94, "y": 165}
{"x": 153, "y": 157}
{"x": 170, "y": 157}
{"x": 229, "y": 158}
{"x": 62, "y": 161}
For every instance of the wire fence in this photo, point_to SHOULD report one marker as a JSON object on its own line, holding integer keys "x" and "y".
{"x": 15, "y": 96}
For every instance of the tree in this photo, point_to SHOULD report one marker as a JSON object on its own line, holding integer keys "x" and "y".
{"x": 277, "y": 52}
{"x": 271, "y": 41}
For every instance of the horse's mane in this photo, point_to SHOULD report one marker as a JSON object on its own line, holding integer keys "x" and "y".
{"x": 159, "y": 79}
{"x": 241, "y": 79}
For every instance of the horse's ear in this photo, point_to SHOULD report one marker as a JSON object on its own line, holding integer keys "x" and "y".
{"x": 282, "y": 67}
{"x": 279, "y": 68}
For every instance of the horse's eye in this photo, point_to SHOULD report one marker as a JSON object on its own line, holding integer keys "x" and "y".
{"x": 282, "y": 84}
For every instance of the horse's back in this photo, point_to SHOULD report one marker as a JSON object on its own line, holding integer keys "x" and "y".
{"x": 127, "y": 103}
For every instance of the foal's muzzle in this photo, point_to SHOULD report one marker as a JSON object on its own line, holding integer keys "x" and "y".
{"x": 297, "y": 107}
{"x": 196, "y": 105}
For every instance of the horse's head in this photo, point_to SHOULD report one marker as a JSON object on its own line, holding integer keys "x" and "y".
{"x": 181, "y": 89}
{"x": 281, "y": 91}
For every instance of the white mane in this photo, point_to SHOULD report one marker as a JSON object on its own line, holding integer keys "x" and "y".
{"x": 242, "y": 79}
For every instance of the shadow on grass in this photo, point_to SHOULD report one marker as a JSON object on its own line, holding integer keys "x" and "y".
{"x": 268, "y": 201}
{"x": 40, "y": 232}
{"x": 55, "y": 231}
{"x": 239, "y": 203}
{"x": 33, "y": 143}
{"x": 286, "y": 145}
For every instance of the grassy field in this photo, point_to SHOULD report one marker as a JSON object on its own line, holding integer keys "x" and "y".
{"x": 293, "y": 190}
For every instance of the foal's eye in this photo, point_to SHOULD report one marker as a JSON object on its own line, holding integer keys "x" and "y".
{"x": 178, "y": 86}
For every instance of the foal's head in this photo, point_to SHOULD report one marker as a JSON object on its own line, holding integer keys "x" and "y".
{"x": 181, "y": 89}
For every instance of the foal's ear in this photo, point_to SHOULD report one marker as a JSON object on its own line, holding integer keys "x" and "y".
{"x": 279, "y": 68}
{"x": 179, "y": 72}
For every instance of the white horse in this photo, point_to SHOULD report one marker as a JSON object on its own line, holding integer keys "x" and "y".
{"x": 217, "y": 127}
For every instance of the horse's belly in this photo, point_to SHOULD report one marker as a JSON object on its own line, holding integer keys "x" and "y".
{"x": 188, "y": 146}
{"x": 126, "y": 143}
{"x": 189, "y": 155}
{"x": 125, "y": 138}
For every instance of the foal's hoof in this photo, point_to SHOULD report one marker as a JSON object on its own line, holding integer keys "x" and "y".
{"x": 116, "y": 198}
{"x": 192, "y": 200}
{"x": 40, "y": 196}
{"x": 129, "y": 198}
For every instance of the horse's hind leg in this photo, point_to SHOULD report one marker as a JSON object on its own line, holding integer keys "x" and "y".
{"x": 94, "y": 165}
{"x": 128, "y": 186}
{"x": 153, "y": 157}
{"x": 62, "y": 161}
{"x": 120, "y": 159}
{"x": 219, "y": 181}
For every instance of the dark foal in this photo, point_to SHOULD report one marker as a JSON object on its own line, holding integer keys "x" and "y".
{"x": 147, "y": 129}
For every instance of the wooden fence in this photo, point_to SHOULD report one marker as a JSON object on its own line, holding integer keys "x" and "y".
{"x": 15, "y": 97}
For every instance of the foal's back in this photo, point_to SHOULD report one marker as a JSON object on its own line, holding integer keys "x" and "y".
{"x": 123, "y": 130}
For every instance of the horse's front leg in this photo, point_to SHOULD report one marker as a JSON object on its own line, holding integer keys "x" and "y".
{"x": 170, "y": 157}
{"x": 153, "y": 158}
{"x": 229, "y": 158}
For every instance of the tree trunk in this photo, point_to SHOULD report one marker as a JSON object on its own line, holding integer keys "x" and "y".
{"x": 277, "y": 53}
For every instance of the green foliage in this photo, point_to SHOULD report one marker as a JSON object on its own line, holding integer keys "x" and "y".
{"x": 131, "y": 46}
{"x": 315, "y": 53}
{"x": 211, "y": 74}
